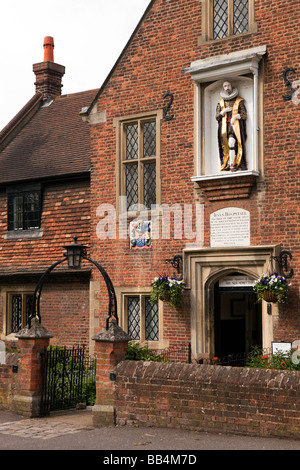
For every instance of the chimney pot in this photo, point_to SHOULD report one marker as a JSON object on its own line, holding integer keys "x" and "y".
{"x": 48, "y": 49}
{"x": 48, "y": 74}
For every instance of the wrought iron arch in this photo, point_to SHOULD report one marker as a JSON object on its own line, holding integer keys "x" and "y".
{"x": 35, "y": 307}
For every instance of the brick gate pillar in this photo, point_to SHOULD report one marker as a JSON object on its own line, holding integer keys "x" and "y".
{"x": 31, "y": 343}
{"x": 110, "y": 349}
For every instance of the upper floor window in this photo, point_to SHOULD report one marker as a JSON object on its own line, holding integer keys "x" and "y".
{"x": 139, "y": 163}
{"x": 139, "y": 152}
{"x": 227, "y": 18}
{"x": 230, "y": 17}
{"x": 24, "y": 210}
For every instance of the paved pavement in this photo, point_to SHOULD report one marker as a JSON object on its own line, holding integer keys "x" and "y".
{"x": 74, "y": 430}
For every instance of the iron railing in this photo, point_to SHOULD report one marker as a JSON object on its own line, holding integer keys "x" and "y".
{"x": 69, "y": 378}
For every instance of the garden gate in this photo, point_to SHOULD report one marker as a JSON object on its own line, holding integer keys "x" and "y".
{"x": 69, "y": 378}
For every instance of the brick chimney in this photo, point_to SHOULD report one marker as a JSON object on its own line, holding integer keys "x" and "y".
{"x": 48, "y": 74}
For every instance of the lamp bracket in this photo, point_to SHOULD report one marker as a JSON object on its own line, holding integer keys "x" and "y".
{"x": 282, "y": 261}
{"x": 177, "y": 264}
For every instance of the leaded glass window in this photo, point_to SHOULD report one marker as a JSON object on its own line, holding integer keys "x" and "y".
{"x": 19, "y": 308}
{"x": 133, "y": 311}
{"x": 240, "y": 16}
{"x": 132, "y": 186}
{"x": 139, "y": 163}
{"x": 151, "y": 320}
{"x": 220, "y": 13}
{"x": 16, "y": 313}
{"x": 24, "y": 210}
{"x": 149, "y": 136}
{"x": 142, "y": 318}
{"x": 149, "y": 184}
{"x": 230, "y": 17}
{"x": 132, "y": 137}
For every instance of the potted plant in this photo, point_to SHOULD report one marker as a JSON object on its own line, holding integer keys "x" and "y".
{"x": 271, "y": 288}
{"x": 168, "y": 290}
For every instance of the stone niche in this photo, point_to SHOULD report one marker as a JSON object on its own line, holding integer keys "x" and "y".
{"x": 242, "y": 69}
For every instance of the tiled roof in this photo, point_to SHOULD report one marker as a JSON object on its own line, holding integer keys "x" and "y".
{"x": 54, "y": 142}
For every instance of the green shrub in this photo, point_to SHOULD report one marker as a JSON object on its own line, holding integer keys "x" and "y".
{"x": 136, "y": 352}
{"x": 258, "y": 359}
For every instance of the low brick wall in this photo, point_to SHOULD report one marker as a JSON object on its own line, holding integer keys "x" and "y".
{"x": 8, "y": 381}
{"x": 246, "y": 401}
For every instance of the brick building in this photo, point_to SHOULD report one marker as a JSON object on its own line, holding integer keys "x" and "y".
{"x": 44, "y": 202}
{"x": 146, "y": 152}
{"x": 154, "y": 130}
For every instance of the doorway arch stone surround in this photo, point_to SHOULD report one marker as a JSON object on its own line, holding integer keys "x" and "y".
{"x": 203, "y": 267}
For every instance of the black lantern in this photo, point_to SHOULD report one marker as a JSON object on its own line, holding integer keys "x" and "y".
{"x": 74, "y": 254}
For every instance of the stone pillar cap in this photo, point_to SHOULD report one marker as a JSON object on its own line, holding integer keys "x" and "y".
{"x": 114, "y": 334}
{"x": 36, "y": 331}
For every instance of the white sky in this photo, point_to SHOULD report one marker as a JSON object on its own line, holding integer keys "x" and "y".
{"x": 88, "y": 36}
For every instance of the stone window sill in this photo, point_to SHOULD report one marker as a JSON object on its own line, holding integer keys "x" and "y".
{"x": 24, "y": 234}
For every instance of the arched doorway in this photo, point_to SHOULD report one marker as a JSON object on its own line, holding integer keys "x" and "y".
{"x": 237, "y": 316}
{"x": 203, "y": 268}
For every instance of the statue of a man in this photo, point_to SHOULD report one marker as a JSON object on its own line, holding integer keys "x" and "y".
{"x": 231, "y": 115}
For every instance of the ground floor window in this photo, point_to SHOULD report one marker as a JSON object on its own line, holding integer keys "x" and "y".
{"x": 18, "y": 311}
{"x": 142, "y": 318}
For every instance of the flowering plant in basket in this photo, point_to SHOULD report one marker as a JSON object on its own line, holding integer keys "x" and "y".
{"x": 271, "y": 288}
{"x": 167, "y": 289}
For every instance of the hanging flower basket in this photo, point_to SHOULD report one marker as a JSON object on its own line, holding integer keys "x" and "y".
{"x": 269, "y": 296}
{"x": 165, "y": 296}
{"x": 271, "y": 288}
{"x": 168, "y": 290}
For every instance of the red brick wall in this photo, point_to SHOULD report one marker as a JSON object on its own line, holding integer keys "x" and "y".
{"x": 65, "y": 299}
{"x": 65, "y": 213}
{"x": 253, "y": 402}
{"x": 65, "y": 310}
{"x": 167, "y": 42}
{"x": 8, "y": 381}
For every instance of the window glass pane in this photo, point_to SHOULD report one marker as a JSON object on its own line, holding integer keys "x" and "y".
{"x": 149, "y": 131}
{"x": 132, "y": 141}
{"x": 132, "y": 186}
{"x": 240, "y": 16}
{"x": 15, "y": 212}
{"x": 28, "y": 300}
{"x": 151, "y": 320}
{"x": 31, "y": 210}
{"x": 133, "y": 312}
{"x": 16, "y": 313}
{"x": 149, "y": 184}
{"x": 10, "y": 213}
{"x": 220, "y": 18}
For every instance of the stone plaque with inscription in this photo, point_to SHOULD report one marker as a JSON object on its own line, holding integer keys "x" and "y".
{"x": 230, "y": 227}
